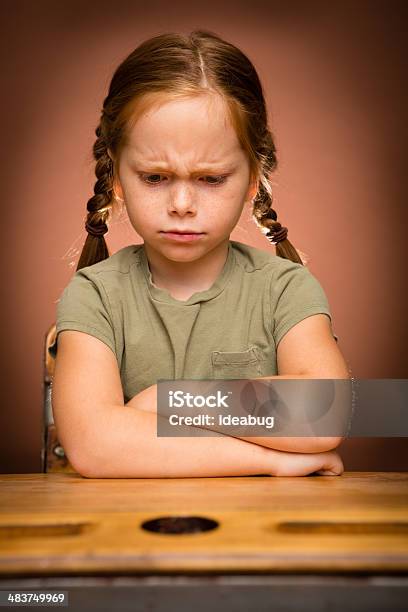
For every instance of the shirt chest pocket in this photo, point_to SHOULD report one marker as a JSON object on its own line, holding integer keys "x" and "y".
{"x": 239, "y": 364}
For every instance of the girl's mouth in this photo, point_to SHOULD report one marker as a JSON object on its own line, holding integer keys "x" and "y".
{"x": 182, "y": 237}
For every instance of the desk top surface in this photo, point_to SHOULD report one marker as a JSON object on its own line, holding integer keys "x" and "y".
{"x": 63, "y": 523}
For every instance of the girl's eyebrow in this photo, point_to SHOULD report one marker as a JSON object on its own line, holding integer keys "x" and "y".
{"x": 200, "y": 168}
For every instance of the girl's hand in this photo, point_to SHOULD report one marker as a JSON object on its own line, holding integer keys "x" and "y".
{"x": 302, "y": 464}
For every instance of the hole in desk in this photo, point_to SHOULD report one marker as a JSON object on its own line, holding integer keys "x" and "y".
{"x": 339, "y": 527}
{"x": 44, "y": 531}
{"x": 179, "y": 524}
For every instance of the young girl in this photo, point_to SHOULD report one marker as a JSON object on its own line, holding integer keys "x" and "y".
{"x": 183, "y": 141}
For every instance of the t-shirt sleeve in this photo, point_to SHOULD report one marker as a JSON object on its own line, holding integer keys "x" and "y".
{"x": 84, "y": 306}
{"x": 296, "y": 295}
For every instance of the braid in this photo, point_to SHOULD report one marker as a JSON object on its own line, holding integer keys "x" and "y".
{"x": 98, "y": 206}
{"x": 264, "y": 215}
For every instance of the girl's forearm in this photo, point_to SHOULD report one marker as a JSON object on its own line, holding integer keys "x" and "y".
{"x": 294, "y": 444}
{"x": 125, "y": 445}
{"x": 146, "y": 400}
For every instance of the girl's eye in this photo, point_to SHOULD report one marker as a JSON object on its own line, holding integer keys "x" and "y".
{"x": 218, "y": 179}
{"x": 154, "y": 179}
{"x": 149, "y": 176}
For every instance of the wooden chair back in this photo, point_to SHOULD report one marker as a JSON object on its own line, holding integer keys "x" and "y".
{"x": 53, "y": 458}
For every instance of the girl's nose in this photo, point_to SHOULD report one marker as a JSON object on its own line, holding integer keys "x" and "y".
{"x": 182, "y": 199}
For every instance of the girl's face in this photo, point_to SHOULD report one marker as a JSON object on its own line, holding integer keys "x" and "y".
{"x": 183, "y": 169}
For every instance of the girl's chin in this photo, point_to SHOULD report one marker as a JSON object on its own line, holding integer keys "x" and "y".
{"x": 182, "y": 253}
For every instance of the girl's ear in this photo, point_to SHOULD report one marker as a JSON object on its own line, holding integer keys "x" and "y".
{"x": 252, "y": 190}
{"x": 117, "y": 189}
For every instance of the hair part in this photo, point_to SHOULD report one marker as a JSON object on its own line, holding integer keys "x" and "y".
{"x": 175, "y": 66}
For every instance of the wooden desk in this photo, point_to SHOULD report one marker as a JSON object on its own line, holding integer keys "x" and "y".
{"x": 280, "y": 534}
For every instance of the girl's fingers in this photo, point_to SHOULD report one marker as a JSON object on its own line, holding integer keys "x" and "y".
{"x": 302, "y": 464}
{"x": 333, "y": 466}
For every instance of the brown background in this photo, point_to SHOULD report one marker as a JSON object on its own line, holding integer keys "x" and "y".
{"x": 334, "y": 75}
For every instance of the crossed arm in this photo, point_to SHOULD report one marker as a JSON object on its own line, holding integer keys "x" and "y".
{"x": 146, "y": 400}
{"x": 295, "y": 353}
{"x": 105, "y": 439}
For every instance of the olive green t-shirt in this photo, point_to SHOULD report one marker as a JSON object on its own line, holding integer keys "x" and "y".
{"x": 230, "y": 330}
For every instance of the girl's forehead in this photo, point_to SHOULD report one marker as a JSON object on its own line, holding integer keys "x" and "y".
{"x": 200, "y": 124}
{"x": 200, "y": 112}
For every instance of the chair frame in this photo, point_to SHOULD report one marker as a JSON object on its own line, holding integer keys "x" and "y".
{"x": 53, "y": 457}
